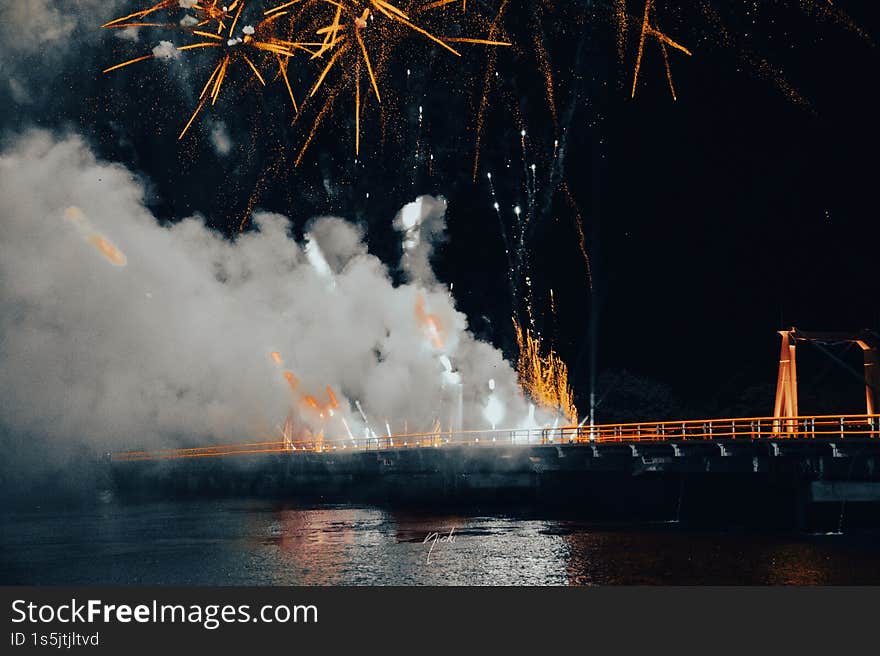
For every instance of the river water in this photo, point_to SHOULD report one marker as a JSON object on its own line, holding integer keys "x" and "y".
{"x": 262, "y": 543}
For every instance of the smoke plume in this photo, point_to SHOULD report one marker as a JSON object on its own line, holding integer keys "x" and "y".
{"x": 119, "y": 332}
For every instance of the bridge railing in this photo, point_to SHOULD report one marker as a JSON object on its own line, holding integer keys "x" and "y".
{"x": 802, "y": 427}
{"x": 822, "y": 427}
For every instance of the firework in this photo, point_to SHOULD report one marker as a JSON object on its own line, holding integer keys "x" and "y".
{"x": 221, "y": 28}
{"x": 352, "y": 41}
{"x": 359, "y": 38}
{"x": 430, "y": 323}
{"x": 99, "y": 242}
{"x": 306, "y": 406}
{"x": 544, "y": 377}
{"x": 649, "y": 29}
{"x": 719, "y": 26}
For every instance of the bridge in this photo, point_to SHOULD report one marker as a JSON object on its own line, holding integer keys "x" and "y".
{"x": 785, "y": 424}
{"x": 786, "y": 469}
{"x": 807, "y": 472}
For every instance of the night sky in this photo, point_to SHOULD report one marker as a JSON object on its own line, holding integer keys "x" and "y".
{"x": 711, "y": 221}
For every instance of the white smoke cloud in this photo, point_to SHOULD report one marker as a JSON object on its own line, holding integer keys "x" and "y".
{"x": 171, "y": 341}
{"x": 422, "y": 223}
{"x": 30, "y": 25}
{"x": 166, "y": 50}
{"x": 130, "y": 33}
{"x": 220, "y": 138}
{"x": 38, "y": 36}
{"x": 19, "y": 92}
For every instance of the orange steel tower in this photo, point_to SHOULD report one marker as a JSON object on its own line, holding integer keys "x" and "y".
{"x": 786, "y": 404}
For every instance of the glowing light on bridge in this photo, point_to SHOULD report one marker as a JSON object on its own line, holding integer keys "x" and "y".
{"x": 805, "y": 428}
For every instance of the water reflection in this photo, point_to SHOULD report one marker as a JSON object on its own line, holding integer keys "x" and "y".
{"x": 353, "y": 546}
{"x": 240, "y": 543}
{"x": 663, "y": 557}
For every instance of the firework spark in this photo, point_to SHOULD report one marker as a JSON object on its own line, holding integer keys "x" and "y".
{"x": 213, "y": 26}
{"x": 649, "y": 29}
{"x": 91, "y": 236}
{"x": 358, "y": 39}
{"x": 305, "y": 405}
{"x": 352, "y": 40}
{"x": 430, "y": 323}
{"x": 544, "y": 377}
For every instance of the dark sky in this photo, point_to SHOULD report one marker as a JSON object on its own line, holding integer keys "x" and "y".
{"x": 735, "y": 212}
{"x": 711, "y": 221}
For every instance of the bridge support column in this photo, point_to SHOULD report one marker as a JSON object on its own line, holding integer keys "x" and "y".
{"x": 786, "y": 404}
{"x": 872, "y": 376}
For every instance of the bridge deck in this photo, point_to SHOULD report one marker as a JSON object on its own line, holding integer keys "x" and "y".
{"x": 805, "y": 428}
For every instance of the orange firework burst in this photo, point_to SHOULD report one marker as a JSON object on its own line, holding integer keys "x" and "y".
{"x": 304, "y": 405}
{"x": 352, "y": 40}
{"x": 430, "y": 323}
{"x": 239, "y": 44}
{"x": 355, "y": 39}
{"x": 544, "y": 377}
